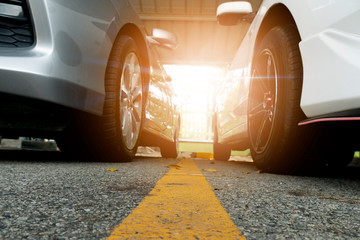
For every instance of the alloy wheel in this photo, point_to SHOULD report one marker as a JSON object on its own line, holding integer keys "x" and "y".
{"x": 263, "y": 101}
{"x": 131, "y": 100}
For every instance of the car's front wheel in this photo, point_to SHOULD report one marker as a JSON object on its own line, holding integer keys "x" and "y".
{"x": 124, "y": 101}
{"x": 274, "y": 101}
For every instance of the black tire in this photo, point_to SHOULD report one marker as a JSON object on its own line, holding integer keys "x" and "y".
{"x": 221, "y": 152}
{"x": 122, "y": 146}
{"x": 276, "y": 141}
{"x": 170, "y": 149}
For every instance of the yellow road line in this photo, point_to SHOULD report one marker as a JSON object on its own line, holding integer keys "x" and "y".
{"x": 181, "y": 206}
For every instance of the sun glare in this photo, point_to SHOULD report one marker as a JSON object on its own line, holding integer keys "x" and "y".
{"x": 195, "y": 87}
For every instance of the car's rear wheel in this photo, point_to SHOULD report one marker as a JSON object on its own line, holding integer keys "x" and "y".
{"x": 170, "y": 149}
{"x": 221, "y": 152}
{"x": 274, "y": 101}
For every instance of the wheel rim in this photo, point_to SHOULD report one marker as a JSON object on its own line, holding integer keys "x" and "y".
{"x": 131, "y": 100}
{"x": 263, "y": 101}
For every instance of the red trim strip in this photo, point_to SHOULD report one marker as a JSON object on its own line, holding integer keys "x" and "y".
{"x": 330, "y": 120}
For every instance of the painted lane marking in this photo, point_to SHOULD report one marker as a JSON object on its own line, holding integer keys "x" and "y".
{"x": 181, "y": 206}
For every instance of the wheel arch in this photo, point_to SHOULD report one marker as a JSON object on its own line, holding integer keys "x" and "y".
{"x": 133, "y": 31}
{"x": 278, "y": 14}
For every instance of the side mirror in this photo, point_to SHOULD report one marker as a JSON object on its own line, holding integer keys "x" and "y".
{"x": 233, "y": 13}
{"x": 163, "y": 38}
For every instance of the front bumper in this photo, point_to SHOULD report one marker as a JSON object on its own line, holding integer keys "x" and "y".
{"x": 66, "y": 62}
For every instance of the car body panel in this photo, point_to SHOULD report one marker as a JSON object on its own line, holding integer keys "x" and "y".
{"x": 330, "y": 40}
{"x": 71, "y": 48}
{"x": 67, "y": 63}
{"x": 161, "y": 113}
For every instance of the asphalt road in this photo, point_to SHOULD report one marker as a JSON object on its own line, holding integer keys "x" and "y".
{"x": 44, "y": 195}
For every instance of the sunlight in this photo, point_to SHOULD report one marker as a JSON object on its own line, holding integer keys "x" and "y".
{"x": 195, "y": 87}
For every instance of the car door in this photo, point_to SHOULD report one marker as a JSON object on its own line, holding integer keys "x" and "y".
{"x": 159, "y": 109}
{"x": 233, "y": 97}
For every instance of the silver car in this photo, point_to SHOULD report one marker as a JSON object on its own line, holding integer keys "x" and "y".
{"x": 82, "y": 72}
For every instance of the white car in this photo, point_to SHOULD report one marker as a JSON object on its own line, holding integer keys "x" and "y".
{"x": 292, "y": 93}
{"x": 85, "y": 73}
